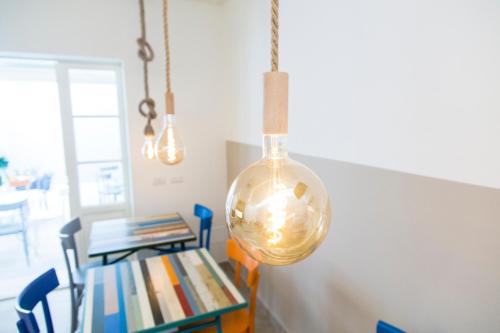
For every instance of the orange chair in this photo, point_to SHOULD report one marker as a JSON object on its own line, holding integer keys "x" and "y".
{"x": 240, "y": 321}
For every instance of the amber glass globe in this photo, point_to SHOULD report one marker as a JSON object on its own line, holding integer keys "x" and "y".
{"x": 277, "y": 209}
{"x": 169, "y": 148}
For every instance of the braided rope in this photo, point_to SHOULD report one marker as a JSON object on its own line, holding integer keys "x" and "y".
{"x": 145, "y": 50}
{"x": 167, "y": 44}
{"x": 142, "y": 19}
{"x": 146, "y": 54}
{"x": 275, "y": 35}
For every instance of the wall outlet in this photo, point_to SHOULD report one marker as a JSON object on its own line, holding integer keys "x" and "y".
{"x": 159, "y": 181}
{"x": 177, "y": 180}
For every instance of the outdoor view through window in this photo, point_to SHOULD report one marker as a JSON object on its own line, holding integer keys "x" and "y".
{"x": 53, "y": 161}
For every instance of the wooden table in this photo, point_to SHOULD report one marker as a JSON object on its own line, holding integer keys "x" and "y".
{"x": 132, "y": 234}
{"x": 12, "y": 199}
{"x": 158, "y": 293}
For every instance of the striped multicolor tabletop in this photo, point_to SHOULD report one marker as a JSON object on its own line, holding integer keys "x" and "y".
{"x": 157, "y": 293}
{"x": 120, "y": 235}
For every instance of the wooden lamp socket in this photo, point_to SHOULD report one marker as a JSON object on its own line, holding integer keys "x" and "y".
{"x": 275, "y": 103}
{"x": 169, "y": 102}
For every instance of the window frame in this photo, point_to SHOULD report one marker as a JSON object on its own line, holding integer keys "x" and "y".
{"x": 62, "y": 69}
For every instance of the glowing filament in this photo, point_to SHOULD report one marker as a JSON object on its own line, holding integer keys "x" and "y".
{"x": 171, "y": 149}
{"x": 277, "y": 212}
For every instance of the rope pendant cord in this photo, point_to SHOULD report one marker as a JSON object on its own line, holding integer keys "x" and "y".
{"x": 275, "y": 120}
{"x": 167, "y": 45}
{"x": 275, "y": 7}
{"x": 146, "y": 54}
{"x": 142, "y": 41}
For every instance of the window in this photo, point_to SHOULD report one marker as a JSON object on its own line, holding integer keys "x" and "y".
{"x": 97, "y": 132}
{"x": 93, "y": 120}
{"x": 64, "y": 153}
{"x": 91, "y": 111}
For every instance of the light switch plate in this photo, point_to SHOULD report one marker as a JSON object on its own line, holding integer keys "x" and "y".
{"x": 159, "y": 181}
{"x": 177, "y": 180}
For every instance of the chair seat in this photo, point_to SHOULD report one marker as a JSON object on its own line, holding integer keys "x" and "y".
{"x": 232, "y": 322}
{"x": 80, "y": 274}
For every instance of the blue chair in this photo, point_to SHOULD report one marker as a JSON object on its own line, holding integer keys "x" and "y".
{"x": 109, "y": 184}
{"x": 43, "y": 185}
{"x": 76, "y": 272}
{"x": 383, "y": 327}
{"x": 205, "y": 214}
{"x": 34, "y": 293}
{"x": 12, "y": 228}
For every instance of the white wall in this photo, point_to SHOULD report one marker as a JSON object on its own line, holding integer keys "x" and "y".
{"x": 405, "y": 85}
{"x": 108, "y": 29}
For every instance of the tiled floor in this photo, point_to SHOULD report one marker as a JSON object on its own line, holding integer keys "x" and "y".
{"x": 59, "y": 305}
{"x": 59, "y": 308}
{"x": 45, "y": 252}
{"x": 44, "y": 247}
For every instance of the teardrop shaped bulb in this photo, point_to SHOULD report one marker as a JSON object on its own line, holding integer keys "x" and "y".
{"x": 169, "y": 148}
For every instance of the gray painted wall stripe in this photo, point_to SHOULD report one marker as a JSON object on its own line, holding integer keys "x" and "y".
{"x": 419, "y": 252}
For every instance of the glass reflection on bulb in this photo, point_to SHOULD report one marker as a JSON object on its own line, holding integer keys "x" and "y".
{"x": 148, "y": 148}
{"x": 169, "y": 148}
{"x": 277, "y": 209}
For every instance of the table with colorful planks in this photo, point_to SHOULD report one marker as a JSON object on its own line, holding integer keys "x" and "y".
{"x": 185, "y": 289}
{"x": 132, "y": 234}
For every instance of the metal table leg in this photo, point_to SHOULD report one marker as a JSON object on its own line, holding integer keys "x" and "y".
{"x": 218, "y": 324}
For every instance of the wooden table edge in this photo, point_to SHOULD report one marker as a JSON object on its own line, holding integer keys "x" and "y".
{"x": 137, "y": 219}
{"x": 193, "y": 319}
{"x": 137, "y": 248}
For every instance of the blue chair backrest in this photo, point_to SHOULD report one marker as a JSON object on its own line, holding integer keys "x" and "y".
{"x": 36, "y": 184}
{"x": 42, "y": 183}
{"x": 205, "y": 215}
{"x": 383, "y": 327}
{"x": 34, "y": 293}
{"x": 46, "y": 182}
{"x": 67, "y": 237}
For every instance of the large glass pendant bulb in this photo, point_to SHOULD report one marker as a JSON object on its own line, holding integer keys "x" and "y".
{"x": 277, "y": 209}
{"x": 169, "y": 148}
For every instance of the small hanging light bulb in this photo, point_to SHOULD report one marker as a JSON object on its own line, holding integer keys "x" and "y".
{"x": 169, "y": 148}
{"x": 277, "y": 209}
{"x": 148, "y": 148}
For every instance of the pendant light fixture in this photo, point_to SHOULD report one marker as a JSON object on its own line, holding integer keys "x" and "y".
{"x": 147, "y": 105}
{"x": 277, "y": 209}
{"x": 169, "y": 148}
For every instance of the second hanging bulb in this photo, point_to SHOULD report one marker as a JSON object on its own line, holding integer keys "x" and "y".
{"x": 169, "y": 148}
